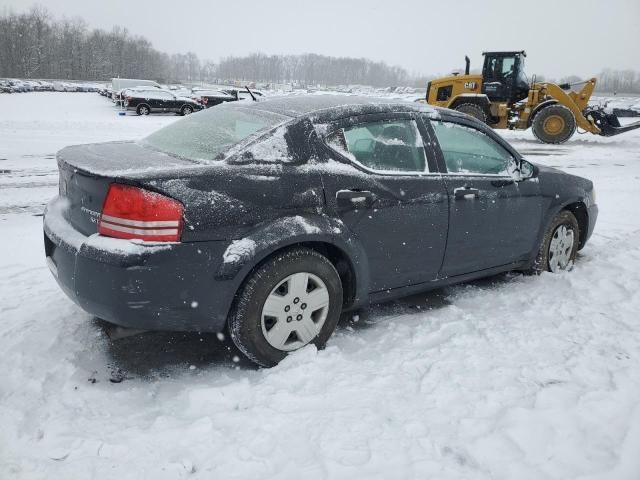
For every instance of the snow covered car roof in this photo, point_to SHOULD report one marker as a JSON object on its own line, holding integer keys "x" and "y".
{"x": 296, "y": 106}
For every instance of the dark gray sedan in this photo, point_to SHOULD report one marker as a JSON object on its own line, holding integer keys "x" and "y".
{"x": 269, "y": 219}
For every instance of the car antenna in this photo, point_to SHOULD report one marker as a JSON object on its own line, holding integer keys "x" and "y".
{"x": 250, "y": 93}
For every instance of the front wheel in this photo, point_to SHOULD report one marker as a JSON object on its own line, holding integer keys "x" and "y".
{"x": 292, "y": 300}
{"x": 559, "y": 245}
{"x": 554, "y": 124}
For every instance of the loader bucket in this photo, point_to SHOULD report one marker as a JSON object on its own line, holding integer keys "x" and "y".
{"x": 609, "y": 124}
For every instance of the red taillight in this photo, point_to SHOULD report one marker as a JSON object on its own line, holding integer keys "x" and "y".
{"x": 129, "y": 99}
{"x": 134, "y": 213}
{"x": 205, "y": 100}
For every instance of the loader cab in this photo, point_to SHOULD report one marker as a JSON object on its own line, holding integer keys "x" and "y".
{"x": 503, "y": 77}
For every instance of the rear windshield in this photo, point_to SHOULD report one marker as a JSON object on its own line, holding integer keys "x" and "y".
{"x": 208, "y": 134}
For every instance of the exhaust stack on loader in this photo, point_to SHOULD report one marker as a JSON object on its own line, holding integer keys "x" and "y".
{"x": 502, "y": 97}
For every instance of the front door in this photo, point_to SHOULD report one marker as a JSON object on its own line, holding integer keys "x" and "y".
{"x": 493, "y": 219}
{"x": 389, "y": 198}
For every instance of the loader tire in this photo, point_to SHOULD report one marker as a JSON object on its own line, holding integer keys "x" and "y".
{"x": 554, "y": 124}
{"x": 472, "y": 109}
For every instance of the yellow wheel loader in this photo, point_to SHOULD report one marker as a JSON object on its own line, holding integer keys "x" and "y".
{"x": 502, "y": 97}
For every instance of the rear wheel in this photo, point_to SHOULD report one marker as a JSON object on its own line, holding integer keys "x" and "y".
{"x": 472, "y": 109}
{"x": 554, "y": 124}
{"x": 292, "y": 300}
{"x": 186, "y": 110}
{"x": 559, "y": 245}
{"x": 143, "y": 110}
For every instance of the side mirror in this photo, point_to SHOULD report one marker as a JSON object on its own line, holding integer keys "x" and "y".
{"x": 521, "y": 170}
{"x": 527, "y": 170}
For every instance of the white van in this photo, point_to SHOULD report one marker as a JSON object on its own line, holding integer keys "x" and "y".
{"x": 120, "y": 83}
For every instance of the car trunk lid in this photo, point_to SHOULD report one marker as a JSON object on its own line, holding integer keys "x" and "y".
{"x": 86, "y": 171}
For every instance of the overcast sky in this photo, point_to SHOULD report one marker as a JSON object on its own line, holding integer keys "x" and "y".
{"x": 561, "y": 37}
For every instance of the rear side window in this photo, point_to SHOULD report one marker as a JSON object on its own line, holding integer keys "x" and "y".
{"x": 470, "y": 151}
{"x": 208, "y": 134}
{"x": 385, "y": 146}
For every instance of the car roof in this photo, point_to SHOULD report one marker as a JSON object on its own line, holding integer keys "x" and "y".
{"x": 335, "y": 105}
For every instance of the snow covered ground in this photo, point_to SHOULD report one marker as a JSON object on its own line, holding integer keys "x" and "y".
{"x": 508, "y": 378}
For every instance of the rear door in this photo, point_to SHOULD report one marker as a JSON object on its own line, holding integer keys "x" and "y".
{"x": 493, "y": 219}
{"x": 387, "y": 193}
{"x": 160, "y": 101}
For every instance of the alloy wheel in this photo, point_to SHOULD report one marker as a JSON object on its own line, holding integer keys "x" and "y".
{"x": 295, "y": 311}
{"x": 560, "y": 248}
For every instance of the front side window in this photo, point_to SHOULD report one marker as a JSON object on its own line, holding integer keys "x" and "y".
{"x": 386, "y": 146}
{"x": 470, "y": 151}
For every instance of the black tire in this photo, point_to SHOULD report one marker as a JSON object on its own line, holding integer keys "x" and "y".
{"x": 472, "y": 109}
{"x": 542, "y": 262}
{"x": 143, "y": 109}
{"x": 554, "y": 124}
{"x": 245, "y": 320}
{"x": 186, "y": 110}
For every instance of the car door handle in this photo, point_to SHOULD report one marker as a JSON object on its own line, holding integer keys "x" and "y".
{"x": 466, "y": 193}
{"x": 354, "y": 198}
{"x": 502, "y": 183}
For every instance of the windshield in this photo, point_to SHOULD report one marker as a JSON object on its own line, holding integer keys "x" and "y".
{"x": 207, "y": 135}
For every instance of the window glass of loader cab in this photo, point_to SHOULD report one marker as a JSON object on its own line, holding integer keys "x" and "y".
{"x": 470, "y": 151}
{"x": 383, "y": 146}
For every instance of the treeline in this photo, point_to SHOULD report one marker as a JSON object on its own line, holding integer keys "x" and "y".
{"x": 36, "y": 45}
{"x": 622, "y": 81}
{"x": 311, "y": 69}
{"x": 609, "y": 81}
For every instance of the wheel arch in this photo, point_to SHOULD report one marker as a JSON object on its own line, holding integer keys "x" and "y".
{"x": 579, "y": 210}
{"x": 316, "y": 233}
{"x": 478, "y": 99}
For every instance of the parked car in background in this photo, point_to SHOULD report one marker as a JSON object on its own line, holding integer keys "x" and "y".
{"x": 119, "y": 96}
{"x": 64, "y": 87}
{"x": 241, "y": 93}
{"x": 118, "y": 84}
{"x": 182, "y": 92}
{"x": 6, "y": 87}
{"x": 30, "y": 85}
{"x": 159, "y": 101}
{"x": 210, "y": 98}
{"x": 268, "y": 219}
{"x": 17, "y": 85}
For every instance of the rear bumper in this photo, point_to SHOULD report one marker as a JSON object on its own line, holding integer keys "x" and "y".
{"x": 144, "y": 286}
